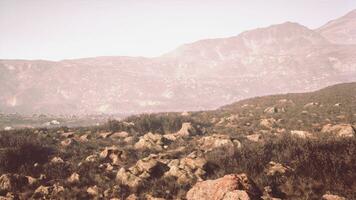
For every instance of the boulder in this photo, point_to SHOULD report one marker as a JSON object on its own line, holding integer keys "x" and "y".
{"x": 215, "y": 143}
{"x": 127, "y": 178}
{"x": 114, "y": 154}
{"x": 92, "y": 158}
{"x": 274, "y": 169}
{"x": 67, "y": 142}
{"x": 270, "y": 110}
{"x": 340, "y": 130}
{"x": 302, "y": 134}
{"x": 74, "y": 178}
{"x": 233, "y": 186}
{"x": 268, "y": 123}
{"x": 332, "y": 197}
{"x": 311, "y": 104}
{"x": 56, "y": 160}
{"x": 104, "y": 134}
{"x": 12, "y": 182}
{"x": 84, "y": 138}
{"x": 48, "y": 192}
{"x": 186, "y": 130}
{"x": 254, "y": 137}
{"x": 118, "y": 135}
{"x": 93, "y": 191}
{"x": 68, "y": 134}
{"x": 151, "y": 141}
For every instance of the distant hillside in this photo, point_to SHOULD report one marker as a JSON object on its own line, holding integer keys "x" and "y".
{"x": 202, "y": 75}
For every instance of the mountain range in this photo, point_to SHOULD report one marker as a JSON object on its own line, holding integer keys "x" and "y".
{"x": 206, "y": 74}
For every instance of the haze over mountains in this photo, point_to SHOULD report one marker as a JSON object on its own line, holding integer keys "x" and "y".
{"x": 206, "y": 74}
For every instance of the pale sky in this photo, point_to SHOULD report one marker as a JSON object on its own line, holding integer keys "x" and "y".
{"x": 63, "y": 29}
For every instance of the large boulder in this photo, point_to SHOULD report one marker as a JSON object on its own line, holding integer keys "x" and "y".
{"x": 340, "y": 130}
{"x": 233, "y": 186}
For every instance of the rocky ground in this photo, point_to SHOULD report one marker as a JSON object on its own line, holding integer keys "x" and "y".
{"x": 294, "y": 146}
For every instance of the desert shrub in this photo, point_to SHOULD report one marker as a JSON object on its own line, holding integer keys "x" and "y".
{"x": 22, "y": 150}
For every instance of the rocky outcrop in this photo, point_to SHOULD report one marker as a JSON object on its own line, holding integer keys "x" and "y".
{"x": 233, "y": 186}
{"x": 340, "y": 130}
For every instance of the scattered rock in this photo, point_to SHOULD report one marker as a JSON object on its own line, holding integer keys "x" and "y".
{"x": 271, "y": 110}
{"x": 233, "y": 186}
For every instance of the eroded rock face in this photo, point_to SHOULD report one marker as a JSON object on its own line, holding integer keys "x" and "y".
{"x": 233, "y": 186}
{"x": 340, "y": 130}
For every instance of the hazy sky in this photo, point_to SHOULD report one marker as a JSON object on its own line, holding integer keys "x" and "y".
{"x": 59, "y": 29}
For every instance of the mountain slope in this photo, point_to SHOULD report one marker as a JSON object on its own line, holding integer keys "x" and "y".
{"x": 342, "y": 30}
